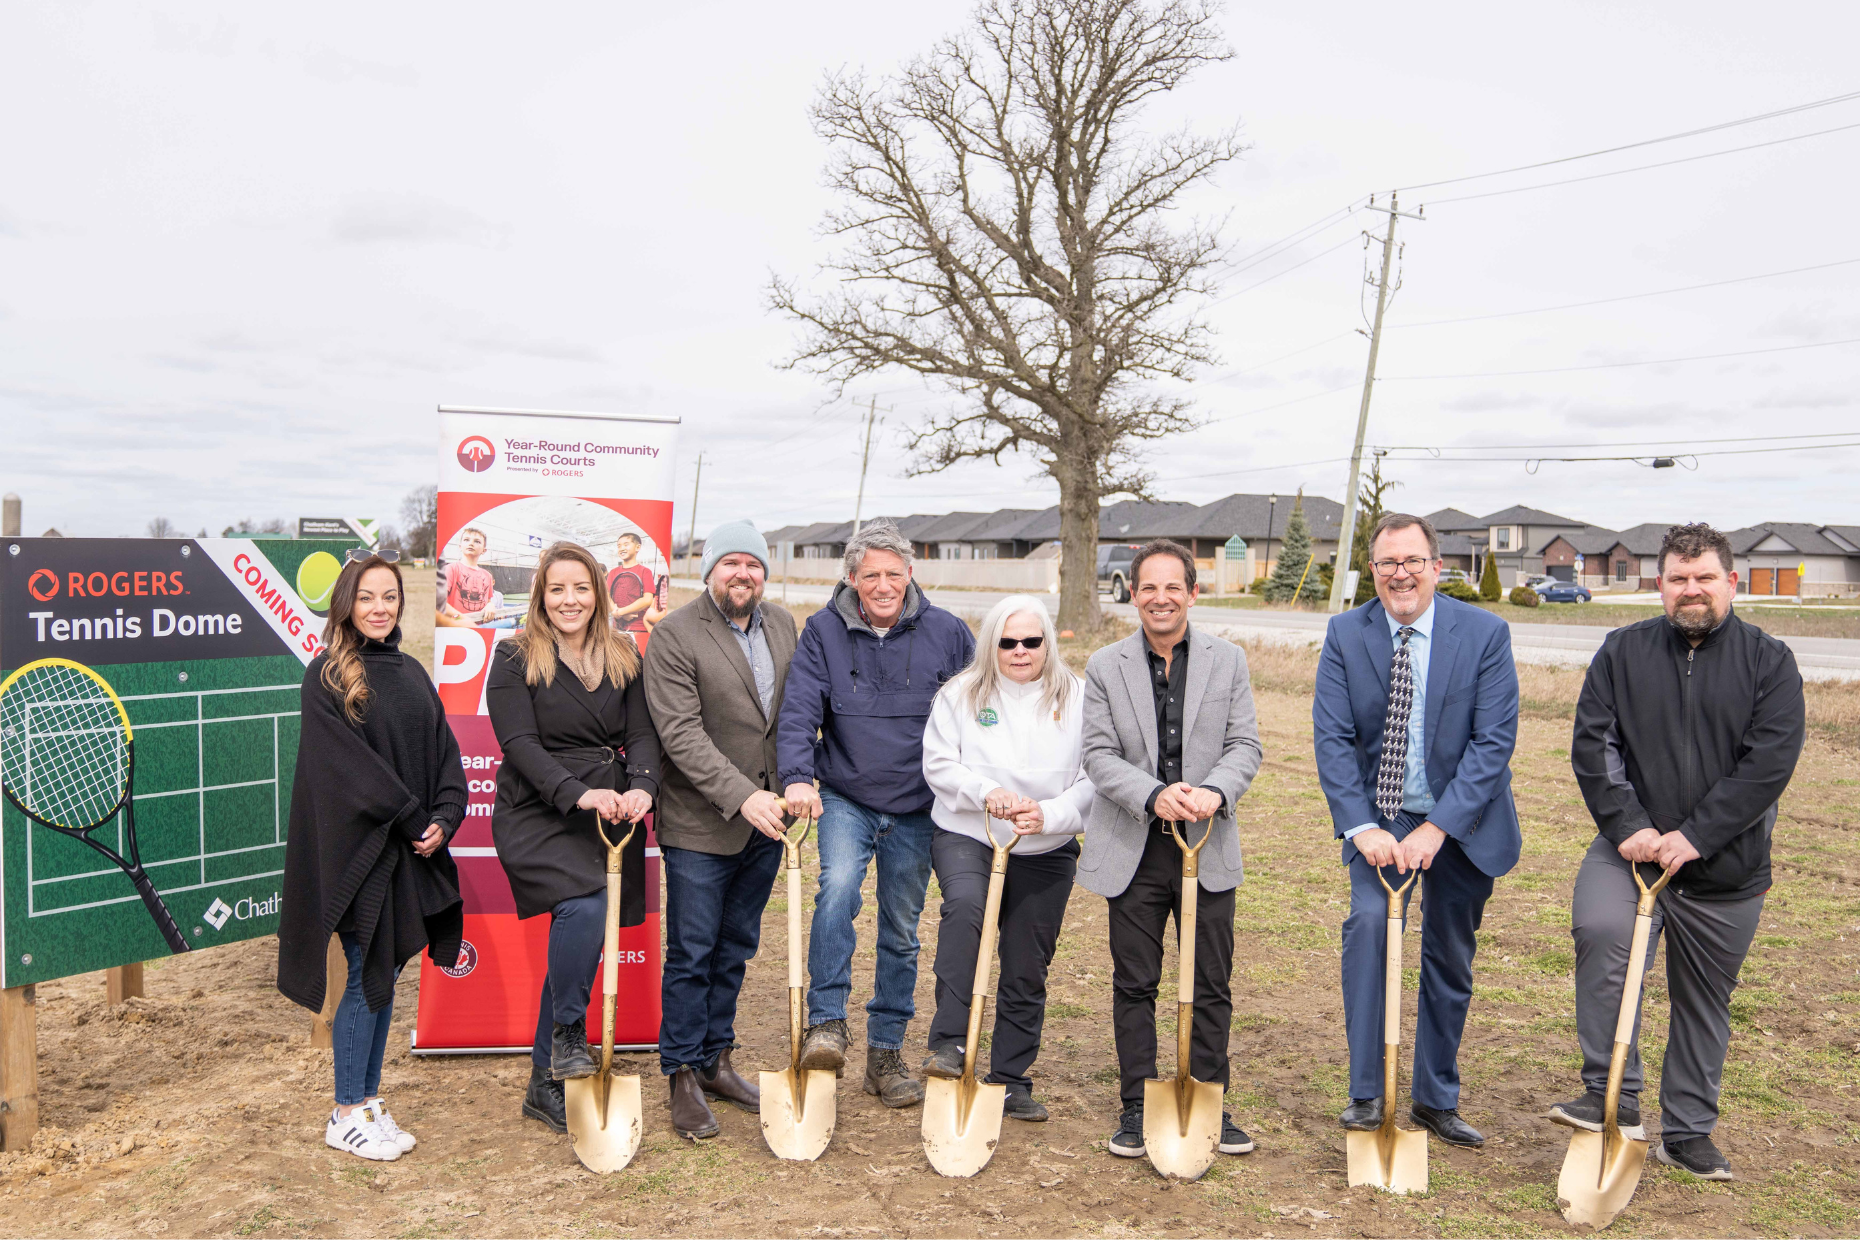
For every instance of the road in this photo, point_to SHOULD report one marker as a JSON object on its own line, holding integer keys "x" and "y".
{"x": 1820, "y": 658}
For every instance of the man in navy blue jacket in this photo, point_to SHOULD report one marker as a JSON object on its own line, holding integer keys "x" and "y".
{"x": 859, "y": 691}
{"x": 1414, "y": 721}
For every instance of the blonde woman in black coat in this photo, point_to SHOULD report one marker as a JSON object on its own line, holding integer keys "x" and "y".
{"x": 570, "y": 713}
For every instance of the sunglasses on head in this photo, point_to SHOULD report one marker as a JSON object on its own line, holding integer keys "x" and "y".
{"x": 1031, "y": 643}
{"x": 356, "y": 554}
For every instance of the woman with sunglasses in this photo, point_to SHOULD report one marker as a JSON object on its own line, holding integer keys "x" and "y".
{"x": 1003, "y": 755}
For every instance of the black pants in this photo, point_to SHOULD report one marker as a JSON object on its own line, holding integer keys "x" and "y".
{"x": 1139, "y": 915}
{"x": 1033, "y": 904}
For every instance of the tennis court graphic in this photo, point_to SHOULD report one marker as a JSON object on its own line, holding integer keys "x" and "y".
{"x": 215, "y": 748}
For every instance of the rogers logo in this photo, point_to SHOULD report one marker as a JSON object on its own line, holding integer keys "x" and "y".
{"x": 43, "y": 585}
{"x": 476, "y": 454}
{"x": 468, "y": 960}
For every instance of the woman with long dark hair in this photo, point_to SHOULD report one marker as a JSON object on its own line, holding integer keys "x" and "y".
{"x": 570, "y": 713}
{"x": 379, "y": 791}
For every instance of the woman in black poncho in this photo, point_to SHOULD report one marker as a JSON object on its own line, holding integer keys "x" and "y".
{"x": 570, "y": 713}
{"x": 379, "y": 791}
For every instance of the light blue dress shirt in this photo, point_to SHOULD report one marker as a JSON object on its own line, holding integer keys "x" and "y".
{"x": 1416, "y": 796}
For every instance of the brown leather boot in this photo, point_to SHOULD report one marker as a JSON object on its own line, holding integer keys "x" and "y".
{"x": 721, "y": 1080}
{"x": 691, "y": 1117}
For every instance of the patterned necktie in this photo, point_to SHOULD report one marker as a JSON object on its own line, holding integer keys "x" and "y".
{"x": 1393, "y": 772}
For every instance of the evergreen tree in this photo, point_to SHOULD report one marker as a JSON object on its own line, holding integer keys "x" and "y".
{"x": 1488, "y": 580}
{"x": 1294, "y": 555}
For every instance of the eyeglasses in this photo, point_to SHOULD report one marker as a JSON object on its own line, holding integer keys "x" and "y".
{"x": 1031, "y": 643}
{"x": 356, "y": 554}
{"x": 1386, "y": 568}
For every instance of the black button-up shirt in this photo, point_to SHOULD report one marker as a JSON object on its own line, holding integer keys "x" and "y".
{"x": 1167, "y": 685}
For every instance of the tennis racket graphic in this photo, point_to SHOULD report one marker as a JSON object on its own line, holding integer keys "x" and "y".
{"x": 68, "y": 762}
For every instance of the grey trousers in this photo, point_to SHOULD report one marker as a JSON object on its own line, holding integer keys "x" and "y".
{"x": 1706, "y": 941}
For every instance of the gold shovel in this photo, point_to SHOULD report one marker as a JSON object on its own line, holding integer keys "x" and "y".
{"x": 1390, "y": 1158}
{"x": 962, "y": 1118}
{"x": 603, "y": 1109}
{"x": 797, "y": 1105}
{"x": 1182, "y": 1118}
{"x": 1602, "y": 1169}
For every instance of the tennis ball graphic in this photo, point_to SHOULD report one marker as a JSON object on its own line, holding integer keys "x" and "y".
{"x": 316, "y": 579}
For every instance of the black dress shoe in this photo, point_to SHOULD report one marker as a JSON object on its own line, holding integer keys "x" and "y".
{"x": 1447, "y": 1125}
{"x": 944, "y": 1063}
{"x": 1362, "y": 1115}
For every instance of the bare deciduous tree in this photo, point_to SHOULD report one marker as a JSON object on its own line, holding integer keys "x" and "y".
{"x": 1005, "y": 233}
{"x": 162, "y": 527}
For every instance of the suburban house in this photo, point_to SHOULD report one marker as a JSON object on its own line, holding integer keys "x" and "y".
{"x": 1604, "y": 559}
{"x": 1793, "y": 558}
{"x": 1513, "y": 537}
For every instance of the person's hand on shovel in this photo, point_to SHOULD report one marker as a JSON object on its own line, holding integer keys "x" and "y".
{"x": 603, "y": 801}
{"x": 1380, "y": 849}
{"x": 1028, "y": 818}
{"x": 635, "y": 804}
{"x": 763, "y": 809}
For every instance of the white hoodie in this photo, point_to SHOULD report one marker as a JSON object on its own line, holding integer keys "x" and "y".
{"x": 1012, "y": 744}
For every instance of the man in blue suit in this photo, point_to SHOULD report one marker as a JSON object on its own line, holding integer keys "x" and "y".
{"x": 1414, "y": 721}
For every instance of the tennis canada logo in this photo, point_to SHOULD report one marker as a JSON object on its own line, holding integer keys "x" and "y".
{"x": 476, "y": 454}
{"x": 468, "y": 960}
{"x": 217, "y": 913}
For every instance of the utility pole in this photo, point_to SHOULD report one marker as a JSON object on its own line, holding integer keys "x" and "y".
{"x": 691, "y": 536}
{"x": 871, "y": 416}
{"x": 1347, "y": 535}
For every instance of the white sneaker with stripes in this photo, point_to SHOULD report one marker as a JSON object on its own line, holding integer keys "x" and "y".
{"x": 395, "y": 1133}
{"x": 360, "y": 1134}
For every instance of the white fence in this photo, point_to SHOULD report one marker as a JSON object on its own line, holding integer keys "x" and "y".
{"x": 1023, "y": 576}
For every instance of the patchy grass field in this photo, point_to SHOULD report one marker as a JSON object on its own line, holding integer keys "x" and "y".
{"x": 197, "y": 1111}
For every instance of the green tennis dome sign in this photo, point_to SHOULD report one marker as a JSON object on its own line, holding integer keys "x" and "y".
{"x": 148, "y": 733}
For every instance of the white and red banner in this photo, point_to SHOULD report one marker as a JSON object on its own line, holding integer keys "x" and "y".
{"x": 511, "y": 482}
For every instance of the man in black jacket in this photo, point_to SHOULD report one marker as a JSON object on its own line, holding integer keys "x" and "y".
{"x": 1687, "y": 732}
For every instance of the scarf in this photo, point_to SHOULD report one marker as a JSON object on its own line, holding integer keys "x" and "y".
{"x": 589, "y": 665}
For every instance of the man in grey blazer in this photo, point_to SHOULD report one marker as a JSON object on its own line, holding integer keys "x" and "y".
{"x": 1170, "y": 735}
{"x": 714, "y": 673}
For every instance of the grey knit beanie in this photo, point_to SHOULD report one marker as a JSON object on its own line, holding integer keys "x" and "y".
{"x": 733, "y": 537}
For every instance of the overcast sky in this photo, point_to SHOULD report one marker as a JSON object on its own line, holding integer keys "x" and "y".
{"x": 245, "y": 250}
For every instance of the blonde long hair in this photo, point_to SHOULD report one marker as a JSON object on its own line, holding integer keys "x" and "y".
{"x": 537, "y": 640}
{"x": 980, "y": 682}
{"x": 342, "y": 666}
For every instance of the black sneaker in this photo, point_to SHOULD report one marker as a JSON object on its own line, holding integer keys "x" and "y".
{"x": 1697, "y": 1155}
{"x": 1586, "y": 1113}
{"x": 1021, "y": 1106}
{"x": 569, "y": 1057}
{"x": 1127, "y": 1141}
{"x": 945, "y": 1062}
{"x": 543, "y": 1100}
{"x": 1233, "y": 1137}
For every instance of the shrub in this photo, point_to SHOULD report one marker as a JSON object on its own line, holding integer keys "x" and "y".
{"x": 1488, "y": 581}
{"x": 1524, "y": 596}
{"x": 1459, "y": 590}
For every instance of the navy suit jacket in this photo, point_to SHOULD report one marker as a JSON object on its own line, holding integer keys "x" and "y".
{"x": 1471, "y": 725}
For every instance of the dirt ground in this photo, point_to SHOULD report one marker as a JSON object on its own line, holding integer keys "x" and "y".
{"x": 198, "y": 1110}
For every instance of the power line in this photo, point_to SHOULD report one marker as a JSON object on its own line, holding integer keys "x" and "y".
{"x": 1671, "y": 137}
{"x": 1233, "y": 374}
{"x": 1602, "y": 301}
{"x": 1612, "y": 443}
{"x": 1260, "y": 255}
{"x": 1652, "y": 361}
{"x": 1296, "y": 400}
{"x": 1269, "y": 279}
{"x": 1668, "y": 163}
{"x": 1256, "y": 469}
{"x": 1534, "y": 460}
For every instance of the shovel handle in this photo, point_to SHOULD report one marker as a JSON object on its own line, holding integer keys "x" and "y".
{"x": 610, "y": 946}
{"x": 1185, "y": 945}
{"x": 1648, "y": 894}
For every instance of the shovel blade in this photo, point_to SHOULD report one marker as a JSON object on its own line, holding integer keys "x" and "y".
{"x": 1401, "y": 1169}
{"x": 1595, "y": 1187}
{"x": 1181, "y": 1146}
{"x": 962, "y": 1124}
{"x": 606, "y": 1136}
{"x": 798, "y": 1113}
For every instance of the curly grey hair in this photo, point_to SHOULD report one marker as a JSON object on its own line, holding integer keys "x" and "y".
{"x": 875, "y": 536}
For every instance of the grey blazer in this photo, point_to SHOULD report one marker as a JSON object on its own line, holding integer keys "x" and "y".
{"x": 1220, "y": 749}
{"x": 717, "y": 745}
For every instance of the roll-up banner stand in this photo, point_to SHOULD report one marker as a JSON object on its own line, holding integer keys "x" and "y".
{"x": 511, "y": 482}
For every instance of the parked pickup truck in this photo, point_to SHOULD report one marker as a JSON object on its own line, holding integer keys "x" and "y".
{"x": 1114, "y": 569}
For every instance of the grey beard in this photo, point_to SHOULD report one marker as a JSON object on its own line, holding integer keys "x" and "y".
{"x": 721, "y": 597}
{"x": 1695, "y": 625}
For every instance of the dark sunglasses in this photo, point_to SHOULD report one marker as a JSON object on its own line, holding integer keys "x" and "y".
{"x": 1031, "y": 643}
{"x": 356, "y": 554}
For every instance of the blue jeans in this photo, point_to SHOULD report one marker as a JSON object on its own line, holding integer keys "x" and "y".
{"x": 713, "y": 924}
{"x": 850, "y": 837}
{"x": 358, "y": 1035}
{"x": 576, "y": 932}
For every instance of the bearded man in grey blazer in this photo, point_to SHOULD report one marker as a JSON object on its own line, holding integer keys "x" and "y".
{"x": 1170, "y": 736}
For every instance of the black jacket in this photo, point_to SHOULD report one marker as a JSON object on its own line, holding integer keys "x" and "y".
{"x": 1700, "y": 740}
{"x": 560, "y": 740}
{"x": 362, "y": 794}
